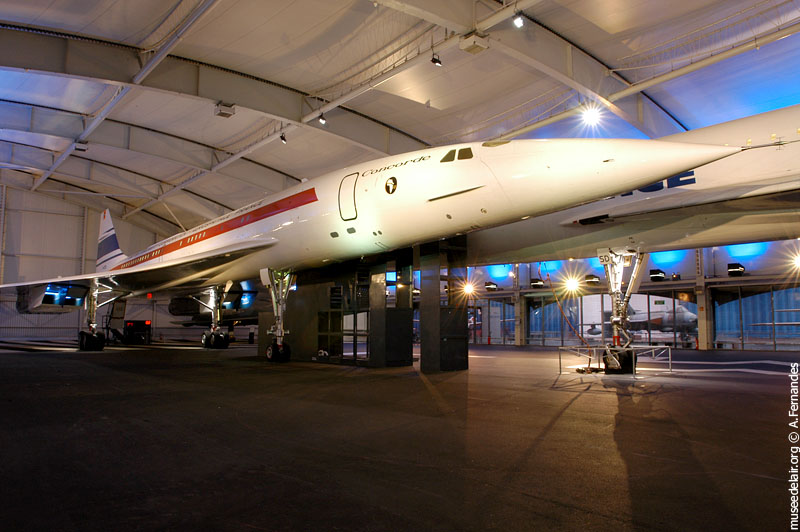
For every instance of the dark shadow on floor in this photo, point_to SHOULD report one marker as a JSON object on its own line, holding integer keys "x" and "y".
{"x": 669, "y": 488}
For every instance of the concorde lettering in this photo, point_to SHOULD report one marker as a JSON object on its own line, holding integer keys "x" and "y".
{"x": 387, "y": 204}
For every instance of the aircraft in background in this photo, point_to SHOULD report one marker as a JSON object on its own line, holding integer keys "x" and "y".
{"x": 681, "y": 320}
{"x": 385, "y": 204}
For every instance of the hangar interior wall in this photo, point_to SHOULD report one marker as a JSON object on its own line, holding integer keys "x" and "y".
{"x": 44, "y": 237}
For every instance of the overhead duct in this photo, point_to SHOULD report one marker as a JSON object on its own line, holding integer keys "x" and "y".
{"x": 473, "y": 43}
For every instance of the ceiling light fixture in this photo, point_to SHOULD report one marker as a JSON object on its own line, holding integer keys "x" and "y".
{"x": 518, "y": 20}
{"x": 436, "y": 61}
{"x": 283, "y": 138}
{"x": 572, "y": 284}
{"x": 322, "y": 119}
{"x": 591, "y": 116}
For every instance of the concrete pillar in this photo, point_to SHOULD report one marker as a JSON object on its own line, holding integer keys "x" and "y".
{"x": 443, "y": 329}
{"x": 705, "y": 325}
{"x": 391, "y": 341}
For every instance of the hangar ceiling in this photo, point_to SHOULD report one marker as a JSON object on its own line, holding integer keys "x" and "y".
{"x": 115, "y": 104}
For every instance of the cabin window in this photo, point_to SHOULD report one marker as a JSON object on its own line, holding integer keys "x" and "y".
{"x": 451, "y": 156}
{"x": 464, "y": 153}
{"x": 351, "y": 230}
{"x": 334, "y": 235}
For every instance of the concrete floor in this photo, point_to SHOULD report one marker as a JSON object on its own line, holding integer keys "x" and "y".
{"x": 186, "y": 439}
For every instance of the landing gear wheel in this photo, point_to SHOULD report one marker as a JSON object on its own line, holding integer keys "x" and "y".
{"x": 626, "y": 358}
{"x": 276, "y": 353}
{"x": 219, "y": 340}
{"x": 99, "y": 341}
{"x": 91, "y": 342}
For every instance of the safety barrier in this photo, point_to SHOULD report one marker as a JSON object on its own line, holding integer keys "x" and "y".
{"x": 595, "y": 353}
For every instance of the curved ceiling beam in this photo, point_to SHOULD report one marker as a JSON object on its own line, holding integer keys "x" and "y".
{"x": 152, "y": 222}
{"x": 554, "y": 57}
{"x": 634, "y": 89}
{"x": 111, "y": 63}
{"x": 59, "y": 127}
{"x": 90, "y": 169}
{"x": 33, "y": 160}
{"x": 120, "y": 94}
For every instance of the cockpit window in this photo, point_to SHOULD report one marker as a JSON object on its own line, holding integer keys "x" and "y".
{"x": 451, "y": 155}
{"x": 464, "y": 153}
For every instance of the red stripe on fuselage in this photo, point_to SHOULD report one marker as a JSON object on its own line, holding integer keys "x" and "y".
{"x": 246, "y": 218}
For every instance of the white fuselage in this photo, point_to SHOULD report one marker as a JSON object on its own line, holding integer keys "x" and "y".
{"x": 421, "y": 196}
{"x": 681, "y": 212}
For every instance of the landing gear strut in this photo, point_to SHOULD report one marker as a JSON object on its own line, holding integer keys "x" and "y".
{"x": 93, "y": 340}
{"x": 618, "y": 356}
{"x": 279, "y": 284}
{"x": 214, "y": 338}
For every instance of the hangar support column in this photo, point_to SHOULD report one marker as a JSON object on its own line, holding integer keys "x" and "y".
{"x": 443, "y": 328}
{"x": 704, "y": 315}
{"x": 391, "y": 322}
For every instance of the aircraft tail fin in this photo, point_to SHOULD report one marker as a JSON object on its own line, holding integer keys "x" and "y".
{"x": 108, "y": 252}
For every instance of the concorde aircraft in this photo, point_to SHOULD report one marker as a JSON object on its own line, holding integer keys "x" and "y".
{"x": 752, "y": 197}
{"x": 377, "y": 206}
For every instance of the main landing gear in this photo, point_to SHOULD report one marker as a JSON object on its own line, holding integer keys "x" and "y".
{"x": 618, "y": 356}
{"x": 279, "y": 284}
{"x": 91, "y": 340}
{"x": 214, "y": 338}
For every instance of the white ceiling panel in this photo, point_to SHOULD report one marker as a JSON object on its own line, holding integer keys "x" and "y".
{"x": 280, "y": 60}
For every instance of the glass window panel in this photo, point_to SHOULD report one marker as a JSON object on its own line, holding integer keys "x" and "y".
{"x": 727, "y": 326}
{"x": 787, "y": 318}
{"x": 757, "y": 317}
{"x": 535, "y": 336}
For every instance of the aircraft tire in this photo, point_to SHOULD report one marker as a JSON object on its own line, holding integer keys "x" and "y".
{"x": 279, "y": 354}
{"x": 286, "y": 353}
{"x": 98, "y": 341}
{"x": 219, "y": 340}
{"x": 626, "y": 359}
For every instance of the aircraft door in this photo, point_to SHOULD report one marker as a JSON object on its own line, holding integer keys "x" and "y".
{"x": 347, "y": 197}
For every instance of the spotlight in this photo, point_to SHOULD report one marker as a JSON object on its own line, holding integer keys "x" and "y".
{"x": 572, "y": 284}
{"x": 519, "y": 21}
{"x": 436, "y": 61}
{"x": 657, "y": 275}
{"x": 676, "y": 276}
{"x": 283, "y": 138}
{"x": 537, "y": 283}
{"x": 490, "y": 286}
{"x": 322, "y": 119}
{"x": 591, "y": 278}
{"x": 796, "y": 261}
{"x": 469, "y": 288}
{"x": 735, "y": 269}
{"x": 591, "y": 116}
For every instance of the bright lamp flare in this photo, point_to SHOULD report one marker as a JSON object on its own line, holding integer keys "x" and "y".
{"x": 796, "y": 261}
{"x": 572, "y": 284}
{"x": 518, "y": 21}
{"x": 469, "y": 288}
{"x": 591, "y": 116}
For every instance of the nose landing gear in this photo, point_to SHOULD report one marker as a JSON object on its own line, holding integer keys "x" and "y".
{"x": 279, "y": 284}
{"x": 618, "y": 356}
